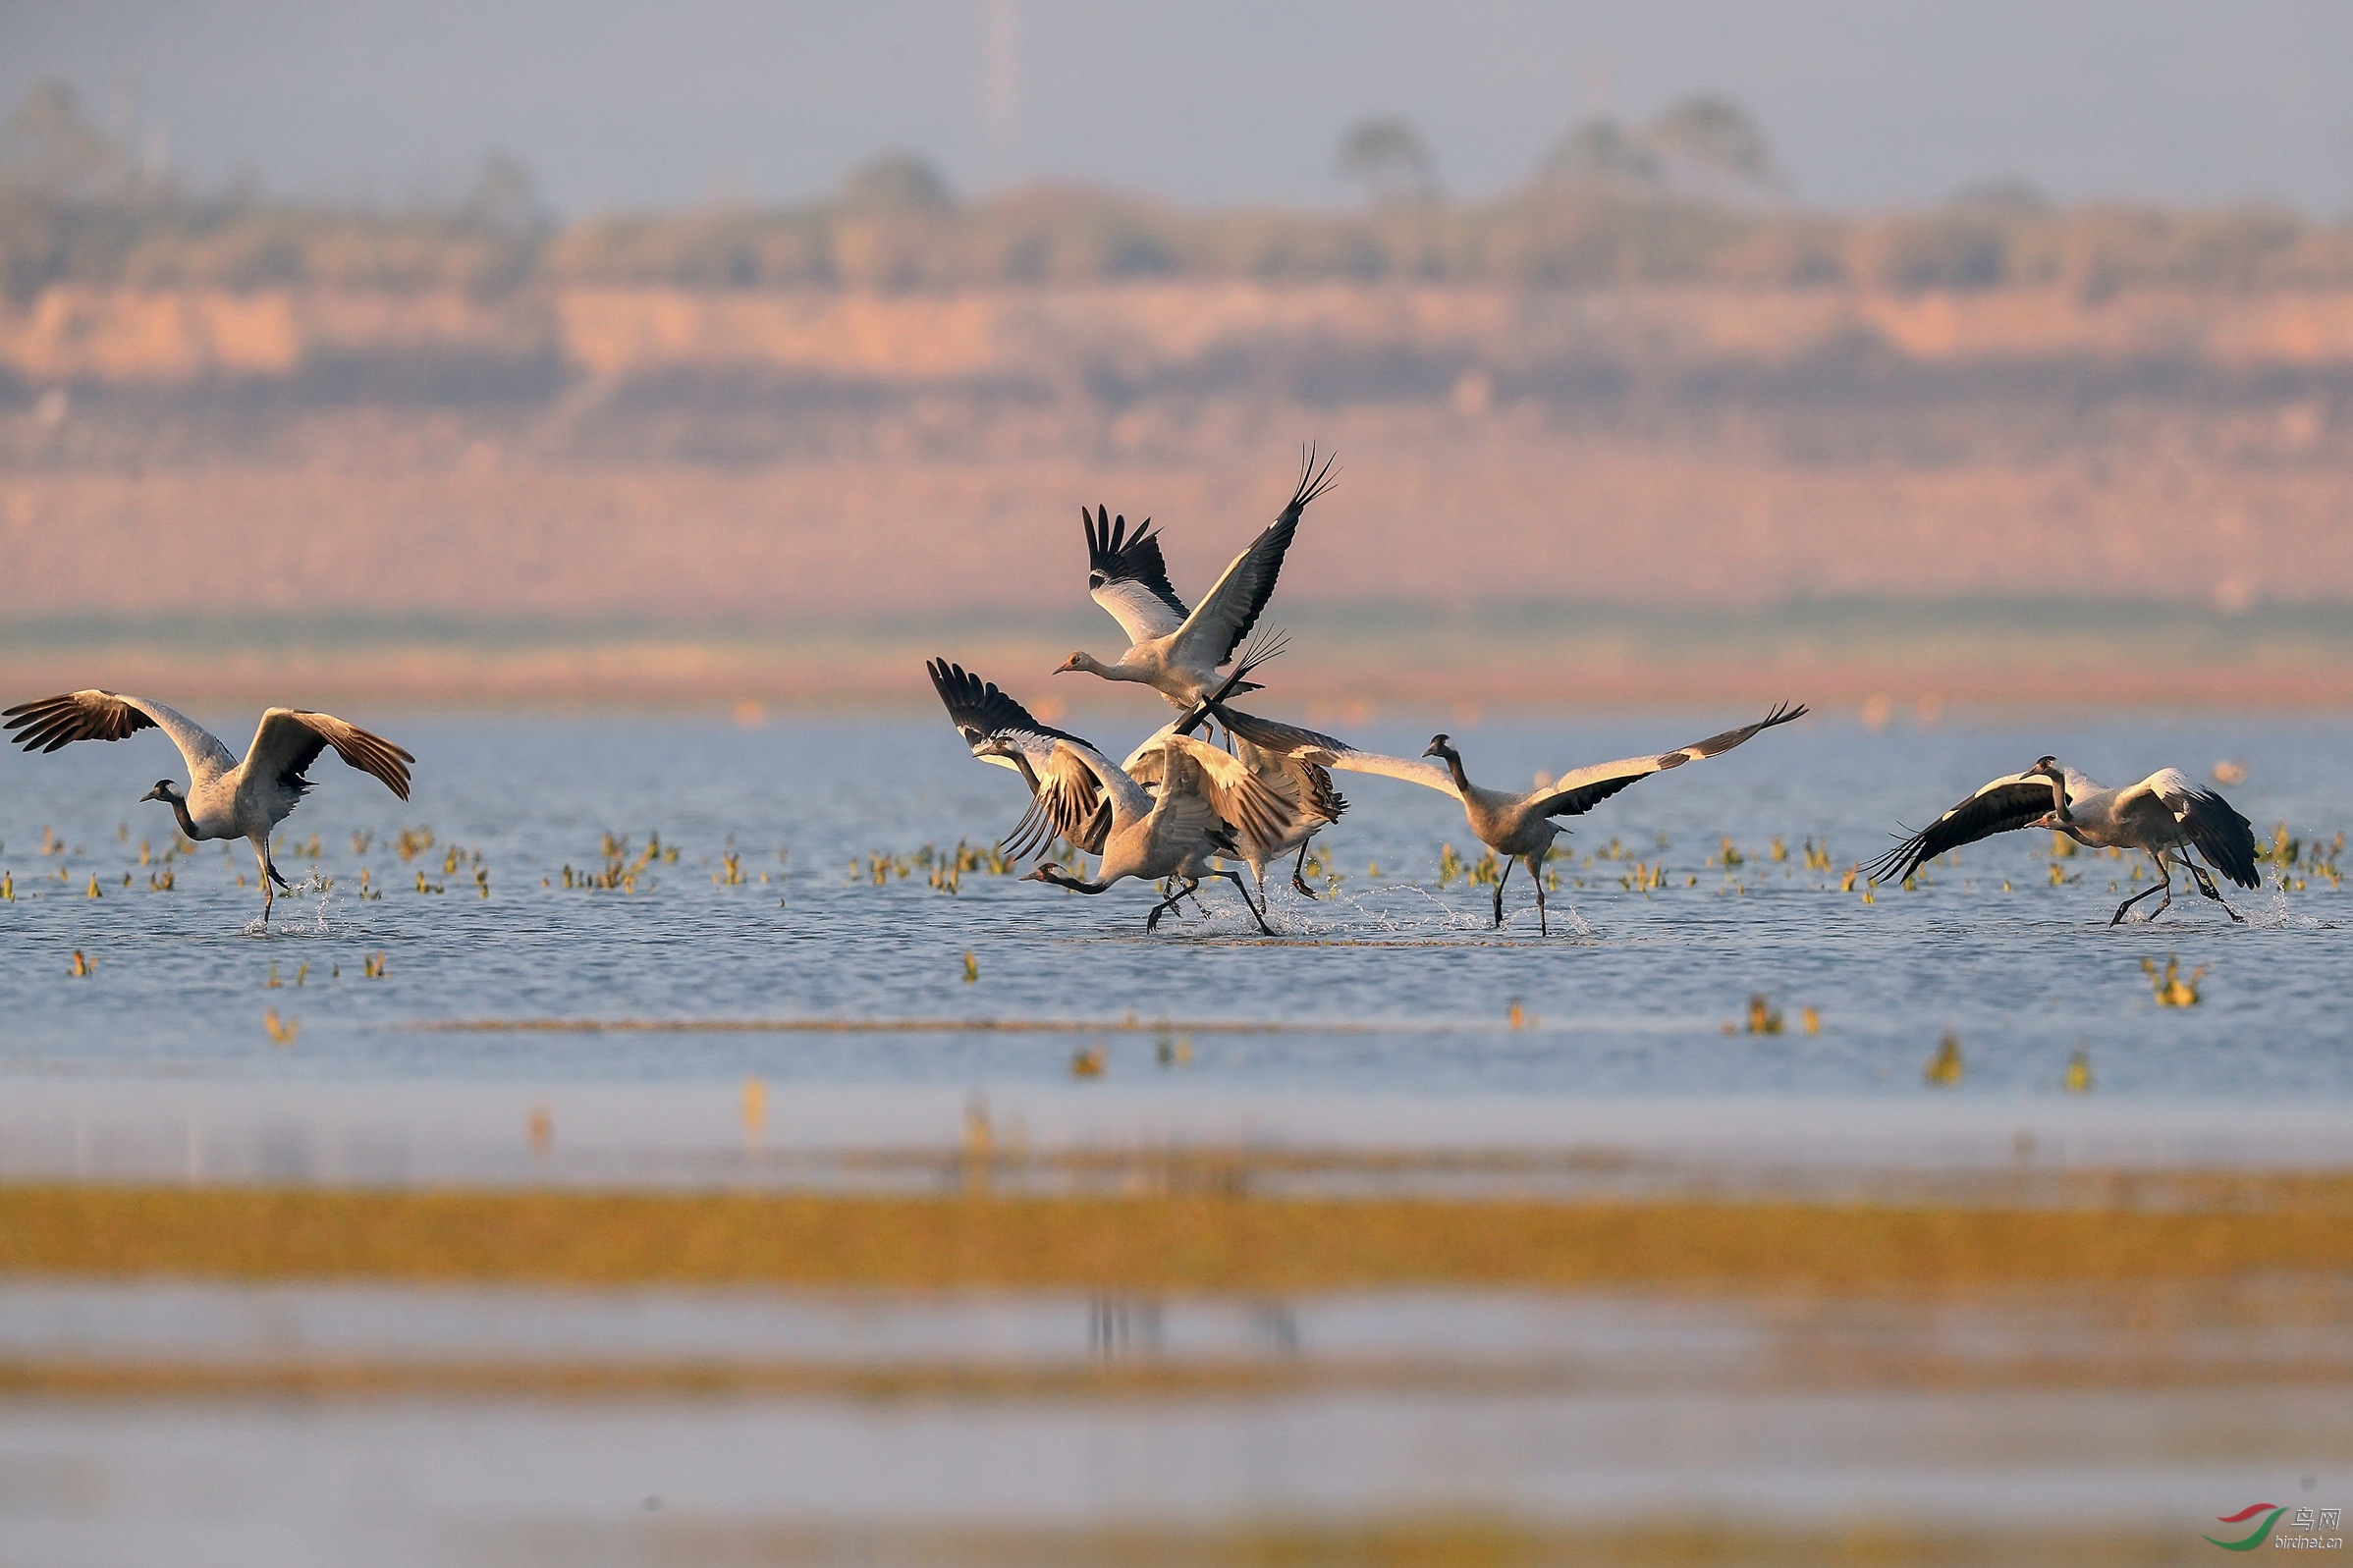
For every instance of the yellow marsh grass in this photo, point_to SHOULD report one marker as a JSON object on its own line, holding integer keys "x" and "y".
{"x": 1798, "y": 1361}
{"x": 1178, "y": 1242}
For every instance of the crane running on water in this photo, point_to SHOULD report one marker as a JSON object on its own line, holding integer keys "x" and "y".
{"x": 225, "y": 798}
{"x": 1203, "y": 803}
{"x": 1176, "y": 652}
{"x": 1516, "y": 826}
{"x": 2164, "y": 815}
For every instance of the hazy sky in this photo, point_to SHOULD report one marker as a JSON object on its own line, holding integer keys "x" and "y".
{"x": 1204, "y": 101}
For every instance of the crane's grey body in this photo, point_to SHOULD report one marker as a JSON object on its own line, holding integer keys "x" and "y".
{"x": 1177, "y": 804}
{"x": 226, "y": 797}
{"x": 1169, "y": 835}
{"x": 1305, "y": 785}
{"x": 2164, "y": 816}
{"x": 1518, "y": 828}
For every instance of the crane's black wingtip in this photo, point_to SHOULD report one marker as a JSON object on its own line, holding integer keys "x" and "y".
{"x": 1896, "y": 864}
{"x": 1313, "y": 480}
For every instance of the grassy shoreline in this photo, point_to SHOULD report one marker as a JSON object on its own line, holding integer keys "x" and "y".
{"x": 1178, "y": 1242}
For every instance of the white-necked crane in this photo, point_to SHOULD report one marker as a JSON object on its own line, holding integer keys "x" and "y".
{"x": 1516, "y": 826}
{"x": 1204, "y": 801}
{"x": 225, "y": 798}
{"x": 1175, "y": 651}
{"x": 2164, "y": 816}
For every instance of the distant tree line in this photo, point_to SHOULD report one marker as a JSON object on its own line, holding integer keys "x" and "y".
{"x": 1693, "y": 197}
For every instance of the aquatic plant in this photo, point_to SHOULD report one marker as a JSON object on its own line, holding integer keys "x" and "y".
{"x": 1944, "y": 1069}
{"x": 2172, "y": 989}
{"x": 1644, "y": 878}
{"x": 2077, "y": 1079}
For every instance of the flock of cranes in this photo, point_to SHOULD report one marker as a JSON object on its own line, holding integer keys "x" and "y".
{"x": 1177, "y": 806}
{"x": 1181, "y": 804}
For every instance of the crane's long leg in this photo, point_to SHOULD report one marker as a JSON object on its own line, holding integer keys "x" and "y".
{"x": 1191, "y": 885}
{"x": 1298, "y": 871}
{"x": 1169, "y": 884}
{"x": 1258, "y": 873}
{"x": 1236, "y": 878}
{"x": 2164, "y": 886}
{"x": 269, "y": 874}
{"x": 2205, "y": 885}
{"x": 1536, "y": 871}
{"x": 1504, "y": 876}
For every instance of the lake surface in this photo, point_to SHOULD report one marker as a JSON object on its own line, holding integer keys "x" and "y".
{"x": 1391, "y": 983}
{"x": 794, "y": 1022}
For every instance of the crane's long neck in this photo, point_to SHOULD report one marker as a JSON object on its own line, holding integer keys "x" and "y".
{"x": 1121, "y": 669}
{"x": 1062, "y": 878}
{"x": 1453, "y": 761}
{"x": 187, "y": 824}
{"x": 2058, "y": 790}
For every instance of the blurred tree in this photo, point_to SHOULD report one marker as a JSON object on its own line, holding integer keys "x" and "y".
{"x": 897, "y": 182}
{"x": 49, "y": 148}
{"x": 1712, "y": 138}
{"x": 2010, "y": 197}
{"x": 1599, "y": 151}
{"x": 504, "y": 198}
{"x": 1389, "y": 157}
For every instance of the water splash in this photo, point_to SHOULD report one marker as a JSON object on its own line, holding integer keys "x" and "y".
{"x": 2274, "y": 914}
{"x": 287, "y": 918}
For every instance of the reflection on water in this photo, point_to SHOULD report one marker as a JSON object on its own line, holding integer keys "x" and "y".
{"x": 1540, "y": 1410}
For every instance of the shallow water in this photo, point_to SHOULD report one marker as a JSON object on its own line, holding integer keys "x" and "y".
{"x": 1629, "y": 994}
{"x": 477, "y": 1482}
{"x": 1379, "y": 1021}
{"x": 1365, "y": 1406}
